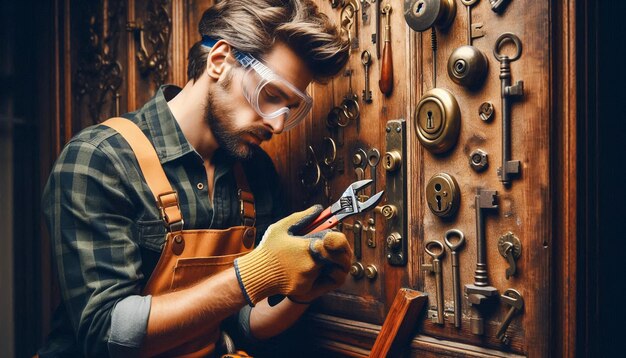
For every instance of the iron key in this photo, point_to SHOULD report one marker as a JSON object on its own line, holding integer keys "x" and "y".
{"x": 436, "y": 268}
{"x": 516, "y": 301}
{"x": 509, "y": 168}
{"x": 366, "y": 60}
{"x": 480, "y": 291}
{"x": 456, "y": 282}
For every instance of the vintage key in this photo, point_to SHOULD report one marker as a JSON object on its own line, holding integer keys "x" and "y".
{"x": 435, "y": 267}
{"x": 356, "y": 229}
{"x": 480, "y": 291}
{"x": 456, "y": 281}
{"x": 366, "y": 60}
{"x": 376, "y": 34}
{"x": 509, "y": 168}
{"x": 373, "y": 158}
{"x": 350, "y": 103}
{"x": 516, "y": 301}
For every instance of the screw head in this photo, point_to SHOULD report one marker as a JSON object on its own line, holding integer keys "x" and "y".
{"x": 479, "y": 160}
{"x": 486, "y": 111}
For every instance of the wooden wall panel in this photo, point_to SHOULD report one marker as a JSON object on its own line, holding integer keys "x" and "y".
{"x": 525, "y": 207}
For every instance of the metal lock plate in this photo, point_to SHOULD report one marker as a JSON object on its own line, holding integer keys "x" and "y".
{"x": 467, "y": 66}
{"x": 396, "y": 226}
{"x": 421, "y": 15}
{"x": 437, "y": 119}
{"x": 443, "y": 195}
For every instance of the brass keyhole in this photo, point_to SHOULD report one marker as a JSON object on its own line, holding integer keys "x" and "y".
{"x": 420, "y": 7}
{"x": 429, "y": 120}
{"x": 438, "y": 197}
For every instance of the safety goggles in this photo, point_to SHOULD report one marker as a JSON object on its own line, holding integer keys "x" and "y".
{"x": 269, "y": 94}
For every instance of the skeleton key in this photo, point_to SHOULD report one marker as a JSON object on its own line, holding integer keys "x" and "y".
{"x": 456, "y": 282}
{"x": 516, "y": 301}
{"x": 350, "y": 104}
{"x": 356, "y": 230}
{"x": 376, "y": 34}
{"x": 366, "y": 60}
{"x": 509, "y": 168}
{"x": 436, "y": 268}
{"x": 473, "y": 30}
{"x": 365, "y": 6}
{"x": 480, "y": 291}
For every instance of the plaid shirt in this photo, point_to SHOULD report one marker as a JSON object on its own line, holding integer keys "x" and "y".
{"x": 105, "y": 227}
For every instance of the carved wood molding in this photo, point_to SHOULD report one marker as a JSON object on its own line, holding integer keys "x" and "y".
{"x": 100, "y": 74}
{"x": 156, "y": 30}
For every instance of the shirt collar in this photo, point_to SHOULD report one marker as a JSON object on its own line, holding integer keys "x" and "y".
{"x": 167, "y": 137}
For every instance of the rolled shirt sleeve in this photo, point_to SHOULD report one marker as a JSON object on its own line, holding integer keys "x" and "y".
{"x": 90, "y": 218}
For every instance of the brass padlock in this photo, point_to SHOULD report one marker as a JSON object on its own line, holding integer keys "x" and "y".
{"x": 467, "y": 66}
{"x": 421, "y": 15}
{"x": 437, "y": 120}
{"x": 443, "y": 195}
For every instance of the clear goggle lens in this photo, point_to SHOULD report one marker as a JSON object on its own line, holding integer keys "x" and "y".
{"x": 272, "y": 97}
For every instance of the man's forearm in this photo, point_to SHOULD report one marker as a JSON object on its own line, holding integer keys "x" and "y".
{"x": 267, "y": 321}
{"x": 179, "y": 316}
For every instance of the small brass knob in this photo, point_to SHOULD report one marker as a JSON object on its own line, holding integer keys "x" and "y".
{"x": 356, "y": 270}
{"x": 393, "y": 240}
{"x": 371, "y": 272}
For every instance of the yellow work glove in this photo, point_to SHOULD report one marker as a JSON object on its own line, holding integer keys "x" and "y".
{"x": 287, "y": 264}
{"x": 327, "y": 281}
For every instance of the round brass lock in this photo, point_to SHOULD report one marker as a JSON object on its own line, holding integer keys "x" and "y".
{"x": 392, "y": 160}
{"x": 371, "y": 272}
{"x": 394, "y": 240}
{"x": 421, "y": 15}
{"x": 357, "y": 270}
{"x": 437, "y": 119}
{"x": 467, "y": 66}
{"x": 389, "y": 211}
{"x": 443, "y": 195}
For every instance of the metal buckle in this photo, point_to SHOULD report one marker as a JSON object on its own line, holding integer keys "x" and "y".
{"x": 175, "y": 226}
{"x": 245, "y": 220}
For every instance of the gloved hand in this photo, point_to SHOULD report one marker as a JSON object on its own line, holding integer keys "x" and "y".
{"x": 287, "y": 264}
{"x": 326, "y": 282}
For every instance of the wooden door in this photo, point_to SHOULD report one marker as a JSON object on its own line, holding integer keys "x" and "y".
{"x": 537, "y": 207}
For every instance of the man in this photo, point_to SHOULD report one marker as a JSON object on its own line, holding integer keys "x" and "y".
{"x": 133, "y": 286}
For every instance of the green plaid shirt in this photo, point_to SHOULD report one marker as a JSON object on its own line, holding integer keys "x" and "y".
{"x": 105, "y": 227}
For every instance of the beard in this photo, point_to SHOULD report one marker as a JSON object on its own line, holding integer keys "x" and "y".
{"x": 218, "y": 114}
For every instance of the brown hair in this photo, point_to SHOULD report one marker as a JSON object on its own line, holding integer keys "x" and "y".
{"x": 254, "y": 26}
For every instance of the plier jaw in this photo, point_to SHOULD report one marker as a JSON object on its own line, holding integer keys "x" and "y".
{"x": 347, "y": 205}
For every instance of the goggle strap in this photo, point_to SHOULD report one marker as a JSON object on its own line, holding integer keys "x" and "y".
{"x": 243, "y": 58}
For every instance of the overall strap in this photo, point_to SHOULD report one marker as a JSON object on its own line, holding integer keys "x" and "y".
{"x": 246, "y": 199}
{"x": 165, "y": 197}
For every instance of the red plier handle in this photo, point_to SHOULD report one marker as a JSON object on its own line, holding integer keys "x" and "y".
{"x": 324, "y": 221}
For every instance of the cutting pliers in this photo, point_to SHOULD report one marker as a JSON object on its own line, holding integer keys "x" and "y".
{"x": 347, "y": 205}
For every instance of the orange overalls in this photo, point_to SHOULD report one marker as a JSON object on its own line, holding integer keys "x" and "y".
{"x": 188, "y": 256}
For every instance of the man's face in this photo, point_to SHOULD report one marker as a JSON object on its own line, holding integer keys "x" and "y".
{"x": 234, "y": 123}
